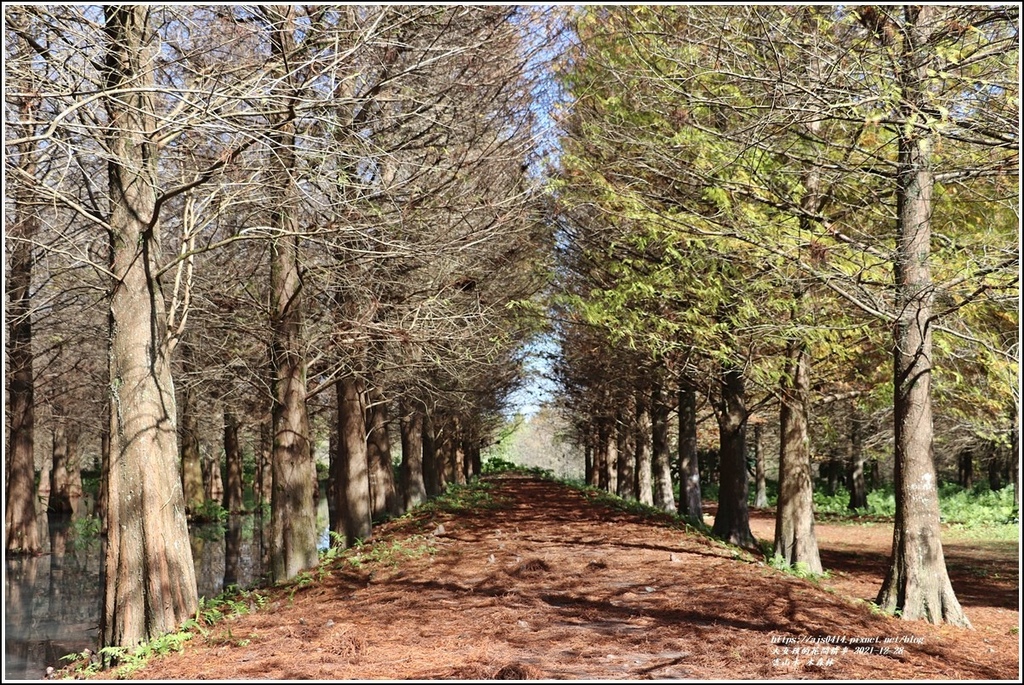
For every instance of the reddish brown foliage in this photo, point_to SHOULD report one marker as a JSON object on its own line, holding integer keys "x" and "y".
{"x": 551, "y": 586}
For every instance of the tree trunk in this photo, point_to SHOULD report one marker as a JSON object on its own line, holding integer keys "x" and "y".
{"x": 795, "y": 541}
{"x": 233, "y": 501}
{"x": 611, "y": 455}
{"x": 293, "y": 514}
{"x": 916, "y": 584}
{"x": 994, "y": 466}
{"x": 597, "y": 445}
{"x": 627, "y": 461}
{"x": 413, "y": 488}
{"x": 191, "y": 460}
{"x": 732, "y": 522}
{"x": 65, "y": 496}
{"x": 690, "y": 505}
{"x": 858, "y": 484}
{"x": 265, "y": 464}
{"x": 589, "y": 473}
{"x": 149, "y": 575}
{"x": 378, "y": 445}
{"x": 431, "y": 469}
{"x": 761, "y": 489}
{"x": 20, "y": 516}
{"x": 642, "y": 446}
{"x": 661, "y": 462}
{"x": 351, "y": 469}
{"x": 213, "y": 479}
{"x": 458, "y": 454}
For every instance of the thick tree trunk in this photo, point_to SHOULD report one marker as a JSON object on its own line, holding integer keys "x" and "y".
{"x": 858, "y": 484}
{"x": 20, "y": 515}
{"x": 795, "y": 541}
{"x": 293, "y": 513}
{"x": 149, "y": 576}
{"x": 233, "y": 501}
{"x": 760, "y": 484}
{"x": 916, "y": 584}
{"x": 191, "y": 459}
{"x": 351, "y": 469}
{"x": 732, "y": 522}
{"x": 690, "y": 505}
{"x": 378, "y": 445}
{"x": 661, "y": 461}
{"x": 413, "y": 488}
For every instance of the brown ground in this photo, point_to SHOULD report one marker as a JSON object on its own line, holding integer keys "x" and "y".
{"x": 550, "y": 586}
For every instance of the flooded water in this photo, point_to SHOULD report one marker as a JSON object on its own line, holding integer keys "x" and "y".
{"x": 52, "y": 602}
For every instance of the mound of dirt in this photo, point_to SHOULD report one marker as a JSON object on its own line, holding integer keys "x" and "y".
{"x": 544, "y": 583}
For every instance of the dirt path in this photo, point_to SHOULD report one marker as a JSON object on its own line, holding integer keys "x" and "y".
{"x": 548, "y": 585}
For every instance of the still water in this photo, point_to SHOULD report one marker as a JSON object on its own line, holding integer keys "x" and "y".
{"x": 52, "y": 601}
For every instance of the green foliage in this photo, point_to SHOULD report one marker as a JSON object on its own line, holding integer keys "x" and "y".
{"x": 210, "y": 511}
{"x": 498, "y": 465}
{"x": 129, "y": 660}
{"x": 799, "y": 570}
{"x": 390, "y": 552}
{"x": 233, "y": 601}
{"x": 461, "y": 498}
{"x": 976, "y": 509}
{"x": 85, "y": 531}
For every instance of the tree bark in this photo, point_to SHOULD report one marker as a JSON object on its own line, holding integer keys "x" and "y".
{"x": 611, "y": 455}
{"x": 413, "y": 488}
{"x": 293, "y": 515}
{"x": 916, "y": 583}
{"x": 760, "y": 486}
{"x": 191, "y": 459}
{"x": 233, "y": 501}
{"x": 642, "y": 448}
{"x": 65, "y": 475}
{"x": 149, "y": 575}
{"x": 795, "y": 541}
{"x": 732, "y": 522}
{"x": 378, "y": 445}
{"x": 690, "y": 505}
{"x": 20, "y": 516}
{"x": 351, "y": 469}
{"x": 661, "y": 462}
{"x": 431, "y": 469}
{"x": 858, "y": 484}
{"x": 626, "y": 485}
{"x": 965, "y": 469}
{"x": 265, "y": 465}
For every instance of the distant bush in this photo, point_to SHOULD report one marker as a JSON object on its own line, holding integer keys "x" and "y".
{"x": 499, "y": 465}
